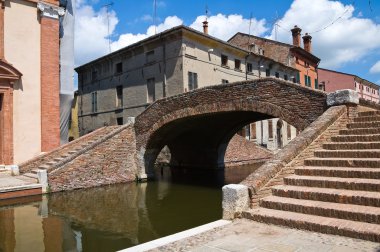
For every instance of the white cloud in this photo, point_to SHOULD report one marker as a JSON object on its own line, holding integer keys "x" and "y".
{"x": 224, "y": 27}
{"x": 375, "y": 68}
{"x": 130, "y": 38}
{"x": 91, "y": 32}
{"x": 347, "y": 40}
{"x": 147, "y": 18}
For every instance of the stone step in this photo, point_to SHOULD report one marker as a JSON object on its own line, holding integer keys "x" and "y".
{"x": 367, "y": 119}
{"x": 369, "y": 153}
{"x": 351, "y": 146}
{"x": 327, "y": 209}
{"x": 358, "y": 184}
{"x": 50, "y": 163}
{"x": 356, "y": 138}
{"x": 58, "y": 159}
{"x": 354, "y": 229}
{"x": 356, "y": 125}
{"x": 44, "y": 167}
{"x": 369, "y": 113}
{"x": 360, "y": 131}
{"x": 30, "y": 175}
{"x": 364, "y": 198}
{"x": 342, "y": 172}
{"x": 72, "y": 152}
{"x": 344, "y": 162}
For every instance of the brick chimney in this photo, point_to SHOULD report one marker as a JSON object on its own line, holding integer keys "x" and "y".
{"x": 296, "y": 33}
{"x": 205, "y": 27}
{"x": 307, "y": 42}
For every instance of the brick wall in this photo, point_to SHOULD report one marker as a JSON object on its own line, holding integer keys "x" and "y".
{"x": 335, "y": 81}
{"x": 50, "y": 114}
{"x": 112, "y": 161}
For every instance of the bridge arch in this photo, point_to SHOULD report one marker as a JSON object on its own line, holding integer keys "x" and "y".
{"x": 197, "y": 126}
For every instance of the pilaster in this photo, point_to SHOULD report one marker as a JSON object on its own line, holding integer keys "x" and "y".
{"x": 50, "y": 114}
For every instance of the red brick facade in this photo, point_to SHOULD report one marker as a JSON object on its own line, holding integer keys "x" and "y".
{"x": 50, "y": 114}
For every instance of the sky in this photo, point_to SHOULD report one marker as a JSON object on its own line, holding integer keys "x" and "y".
{"x": 345, "y": 34}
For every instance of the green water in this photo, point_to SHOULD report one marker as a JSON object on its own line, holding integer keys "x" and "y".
{"x": 114, "y": 217}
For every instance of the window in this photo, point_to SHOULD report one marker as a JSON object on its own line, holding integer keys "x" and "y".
{"x": 247, "y": 133}
{"x": 119, "y": 96}
{"x": 94, "y": 75}
{"x": 119, "y": 120}
{"x": 316, "y": 83}
{"x": 249, "y": 67}
{"x": 307, "y": 81}
{"x": 193, "y": 81}
{"x": 285, "y": 77}
{"x": 237, "y": 64}
{"x": 298, "y": 78}
{"x": 267, "y": 72}
{"x": 151, "y": 90}
{"x": 224, "y": 81}
{"x": 277, "y": 75}
{"x": 270, "y": 128}
{"x": 119, "y": 67}
{"x": 289, "y": 132}
{"x": 150, "y": 56}
{"x": 253, "y": 131}
{"x": 224, "y": 60}
{"x": 94, "y": 101}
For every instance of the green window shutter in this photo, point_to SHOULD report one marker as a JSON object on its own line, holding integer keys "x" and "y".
{"x": 298, "y": 77}
{"x": 316, "y": 83}
{"x": 306, "y": 81}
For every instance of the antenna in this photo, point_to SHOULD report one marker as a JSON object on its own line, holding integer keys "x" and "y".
{"x": 249, "y": 31}
{"x": 108, "y": 25}
{"x": 206, "y": 12}
{"x": 276, "y": 26}
{"x": 155, "y": 16}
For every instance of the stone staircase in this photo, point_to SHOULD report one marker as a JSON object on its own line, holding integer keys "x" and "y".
{"x": 337, "y": 191}
{"x": 51, "y": 160}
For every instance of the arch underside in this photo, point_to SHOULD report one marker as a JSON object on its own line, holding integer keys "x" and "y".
{"x": 198, "y": 137}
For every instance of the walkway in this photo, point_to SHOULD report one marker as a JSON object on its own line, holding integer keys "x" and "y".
{"x": 246, "y": 235}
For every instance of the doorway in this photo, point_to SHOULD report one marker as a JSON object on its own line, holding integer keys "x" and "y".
{"x": 279, "y": 134}
{"x": 1, "y": 129}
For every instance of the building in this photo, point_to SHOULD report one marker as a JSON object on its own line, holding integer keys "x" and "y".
{"x": 290, "y": 55}
{"x": 29, "y": 79}
{"x": 73, "y": 121}
{"x": 125, "y": 82}
{"x": 331, "y": 81}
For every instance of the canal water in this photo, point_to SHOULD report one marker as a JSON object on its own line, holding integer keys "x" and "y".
{"x": 116, "y": 217}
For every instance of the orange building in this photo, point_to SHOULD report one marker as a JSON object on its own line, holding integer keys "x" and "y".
{"x": 29, "y": 79}
{"x": 291, "y": 55}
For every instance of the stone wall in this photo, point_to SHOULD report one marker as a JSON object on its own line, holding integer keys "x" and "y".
{"x": 110, "y": 162}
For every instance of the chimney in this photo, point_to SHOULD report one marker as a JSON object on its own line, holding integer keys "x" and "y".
{"x": 296, "y": 33}
{"x": 205, "y": 27}
{"x": 307, "y": 42}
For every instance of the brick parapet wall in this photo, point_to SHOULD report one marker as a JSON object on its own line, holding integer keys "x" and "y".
{"x": 34, "y": 163}
{"x": 300, "y": 148}
{"x": 109, "y": 162}
{"x": 369, "y": 104}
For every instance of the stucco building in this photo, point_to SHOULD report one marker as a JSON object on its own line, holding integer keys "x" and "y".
{"x": 291, "y": 55}
{"x": 125, "y": 82}
{"x": 29, "y": 79}
{"x": 330, "y": 81}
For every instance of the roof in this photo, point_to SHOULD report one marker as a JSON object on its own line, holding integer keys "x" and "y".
{"x": 173, "y": 30}
{"x": 353, "y": 75}
{"x": 293, "y": 48}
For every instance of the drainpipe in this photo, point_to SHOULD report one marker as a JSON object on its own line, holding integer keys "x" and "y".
{"x": 164, "y": 66}
{"x": 246, "y": 62}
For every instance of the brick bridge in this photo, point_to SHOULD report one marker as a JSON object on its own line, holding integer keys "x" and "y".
{"x": 197, "y": 126}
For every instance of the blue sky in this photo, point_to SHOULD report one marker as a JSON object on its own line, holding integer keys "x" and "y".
{"x": 349, "y": 43}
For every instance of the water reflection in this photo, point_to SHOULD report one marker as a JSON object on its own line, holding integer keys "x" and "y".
{"x": 114, "y": 217}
